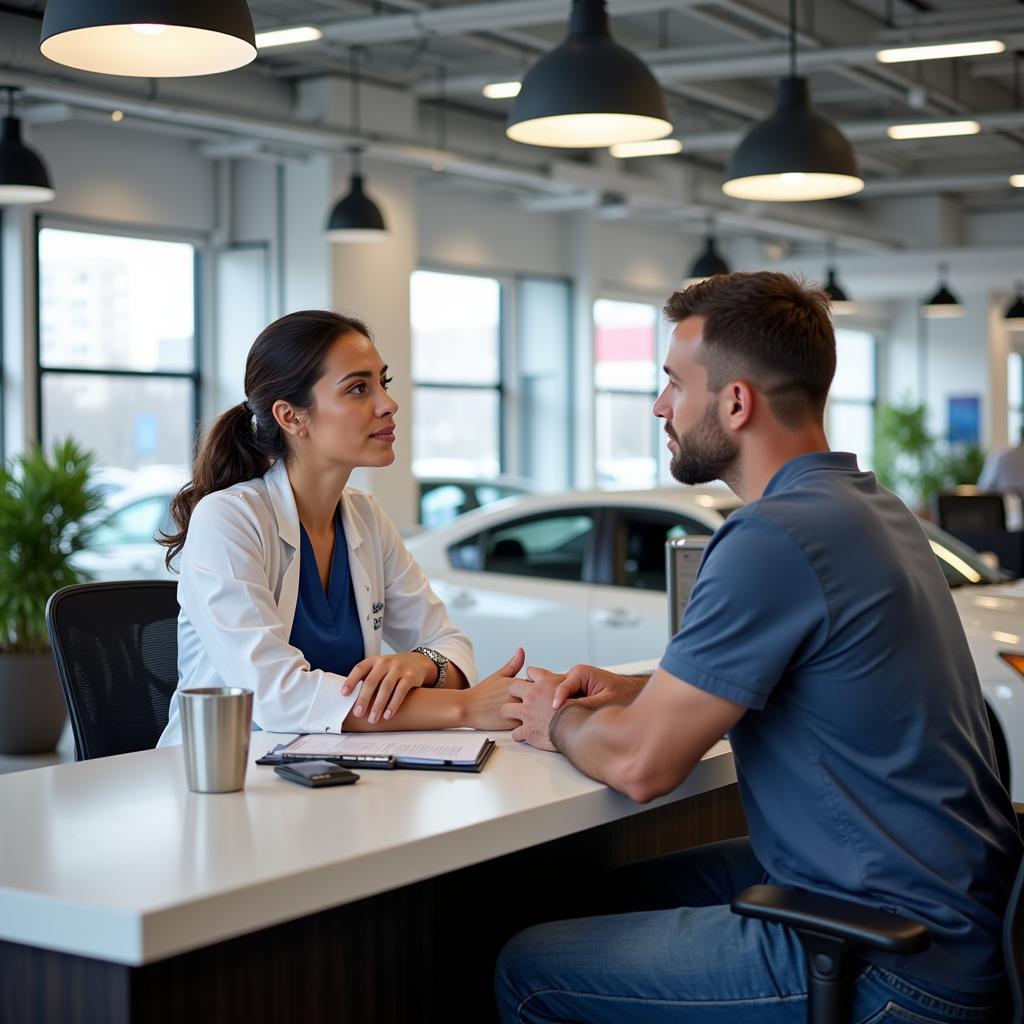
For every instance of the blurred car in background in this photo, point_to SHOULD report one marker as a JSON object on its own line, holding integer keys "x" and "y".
{"x": 580, "y": 577}
{"x": 442, "y": 499}
{"x": 124, "y": 546}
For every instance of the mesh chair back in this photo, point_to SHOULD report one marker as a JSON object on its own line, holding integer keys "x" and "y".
{"x": 116, "y": 648}
{"x": 971, "y": 513}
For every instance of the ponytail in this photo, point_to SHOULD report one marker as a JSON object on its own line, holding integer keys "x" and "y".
{"x": 284, "y": 363}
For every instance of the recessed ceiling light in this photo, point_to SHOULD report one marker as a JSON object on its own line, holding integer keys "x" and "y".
{"x": 502, "y": 90}
{"x": 1017, "y": 180}
{"x": 934, "y": 130}
{"x": 938, "y": 51}
{"x": 287, "y": 36}
{"x": 117, "y": 115}
{"x": 654, "y": 147}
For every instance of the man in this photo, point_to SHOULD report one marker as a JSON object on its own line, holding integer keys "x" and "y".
{"x": 822, "y": 637}
{"x": 1004, "y": 470}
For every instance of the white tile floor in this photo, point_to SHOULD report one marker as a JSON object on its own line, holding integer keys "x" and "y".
{"x": 20, "y": 762}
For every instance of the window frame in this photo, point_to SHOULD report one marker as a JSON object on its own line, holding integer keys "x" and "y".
{"x": 506, "y": 314}
{"x": 156, "y": 234}
{"x": 660, "y": 345}
{"x": 870, "y": 404}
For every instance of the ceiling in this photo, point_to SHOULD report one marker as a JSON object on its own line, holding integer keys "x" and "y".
{"x": 718, "y": 61}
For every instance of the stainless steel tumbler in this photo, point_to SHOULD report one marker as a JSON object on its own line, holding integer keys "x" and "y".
{"x": 216, "y": 724}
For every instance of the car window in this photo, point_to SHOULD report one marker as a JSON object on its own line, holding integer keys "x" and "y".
{"x": 441, "y": 504}
{"x": 136, "y": 523}
{"x": 640, "y": 545}
{"x": 550, "y": 546}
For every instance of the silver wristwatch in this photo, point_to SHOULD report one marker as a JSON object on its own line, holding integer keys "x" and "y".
{"x": 439, "y": 660}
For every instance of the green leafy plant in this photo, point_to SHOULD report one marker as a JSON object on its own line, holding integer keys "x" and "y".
{"x": 910, "y": 461}
{"x": 46, "y": 516}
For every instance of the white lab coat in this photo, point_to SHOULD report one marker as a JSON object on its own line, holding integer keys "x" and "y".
{"x": 239, "y": 587}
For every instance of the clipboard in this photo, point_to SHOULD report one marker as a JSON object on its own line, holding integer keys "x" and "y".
{"x": 310, "y": 749}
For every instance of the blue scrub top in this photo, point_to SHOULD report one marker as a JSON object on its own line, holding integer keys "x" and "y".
{"x": 864, "y": 759}
{"x": 326, "y": 627}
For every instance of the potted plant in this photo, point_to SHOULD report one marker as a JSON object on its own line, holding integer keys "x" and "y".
{"x": 47, "y": 511}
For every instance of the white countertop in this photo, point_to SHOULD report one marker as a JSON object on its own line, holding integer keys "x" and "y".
{"x": 115, "y": 858}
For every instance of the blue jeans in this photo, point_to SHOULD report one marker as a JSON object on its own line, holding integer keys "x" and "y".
{"x": 671, "y": 950}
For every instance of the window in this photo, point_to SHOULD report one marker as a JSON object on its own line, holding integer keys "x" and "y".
{"x": 551, "y": 546}
{"x": 1015, "y": 396}
{"x": 456, "y": 370}
{"x": 850, "y": 413}
{"x": 626, "y": 384}
{"x": 117, "y": 346}
{"x": 639, "y": 546}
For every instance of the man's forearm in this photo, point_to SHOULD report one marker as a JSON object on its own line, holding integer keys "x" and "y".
{"x": 588, "y": 737}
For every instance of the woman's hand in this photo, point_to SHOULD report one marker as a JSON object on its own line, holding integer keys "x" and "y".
{"x": 485, "y": 700}
{"x": 387, "y": 679}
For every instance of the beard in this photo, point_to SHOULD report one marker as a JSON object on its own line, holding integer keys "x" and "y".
{"x": 705, "y": 452}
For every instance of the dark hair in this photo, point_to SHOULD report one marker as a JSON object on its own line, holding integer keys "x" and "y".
{"x": 769, "y": 327}
{"x": 284, "y": 363}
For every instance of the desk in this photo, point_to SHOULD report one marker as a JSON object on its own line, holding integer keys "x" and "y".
{"x": 124, "y": 897}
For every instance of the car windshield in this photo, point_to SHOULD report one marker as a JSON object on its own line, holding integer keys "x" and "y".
{"x": 961, "y": 565}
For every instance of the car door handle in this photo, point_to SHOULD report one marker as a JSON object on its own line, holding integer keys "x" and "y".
{"x": 463, "y": 599}
{"x": 620, "y": 617}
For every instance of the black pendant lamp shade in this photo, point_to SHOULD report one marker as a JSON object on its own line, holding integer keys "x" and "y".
{"x": 838, "y": 300}
{"x": 1014, "y": 315}
{"x": 356, "y": 217}
{"x": 795, "y": 155}
{"x": 708, "y": 263}
{"x": 943, "y": 303}
{"x": 589, "y": 91}
{"x": 149, "y": 38}
{"x": 23, "y": 175}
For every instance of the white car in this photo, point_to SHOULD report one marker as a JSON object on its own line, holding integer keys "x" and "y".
{"x": 580, "y": 577}
{"x": 123, "y": 546}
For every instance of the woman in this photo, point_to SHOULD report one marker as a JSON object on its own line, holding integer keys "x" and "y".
{"x": 290, "y": 579}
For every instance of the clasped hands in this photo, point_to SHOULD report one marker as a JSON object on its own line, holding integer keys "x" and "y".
{"x": 538, "y": 697}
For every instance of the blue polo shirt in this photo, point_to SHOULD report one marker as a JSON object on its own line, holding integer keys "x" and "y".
{"x": 865, "y": 761}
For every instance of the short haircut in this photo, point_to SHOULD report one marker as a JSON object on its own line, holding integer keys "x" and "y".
{"x": 770, "y": 329}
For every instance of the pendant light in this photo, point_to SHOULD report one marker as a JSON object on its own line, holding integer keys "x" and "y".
{"x": 795, "y": 155}
{"x": 1014, "y": 315}
{"x": 943, "y": 304}
{"x": 149, "y": 38}
{"x": 356, "y": 217}
{"x": 23, "y": 175}
{"x": 589, "y": 91}
{"x": 839, "y": 302}
{"x": 709, "y": 262}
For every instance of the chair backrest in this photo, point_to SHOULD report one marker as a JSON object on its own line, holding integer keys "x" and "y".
{"x": 116, "y": 648}
{"x": 970, "y": 513}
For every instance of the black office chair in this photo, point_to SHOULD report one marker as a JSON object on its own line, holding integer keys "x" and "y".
{"x": 116, "y": 648}
{"x": 834, "y": 931}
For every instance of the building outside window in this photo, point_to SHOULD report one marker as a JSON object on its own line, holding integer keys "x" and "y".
{"x": 457, "y": 328}
{"x": 118, "y": 366}
{"x": 626, "y": 372}
{"x": 850, "y": 413}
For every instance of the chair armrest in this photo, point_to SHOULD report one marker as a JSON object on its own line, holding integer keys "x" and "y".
{"x": 859, "y": 926}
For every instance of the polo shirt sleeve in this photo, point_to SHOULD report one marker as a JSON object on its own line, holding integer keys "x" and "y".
{"x": 756, "y": 609}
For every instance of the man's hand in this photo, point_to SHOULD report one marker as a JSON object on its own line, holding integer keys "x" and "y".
{"x": 533, "y": 709}
{"x": 585, "y": 681}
